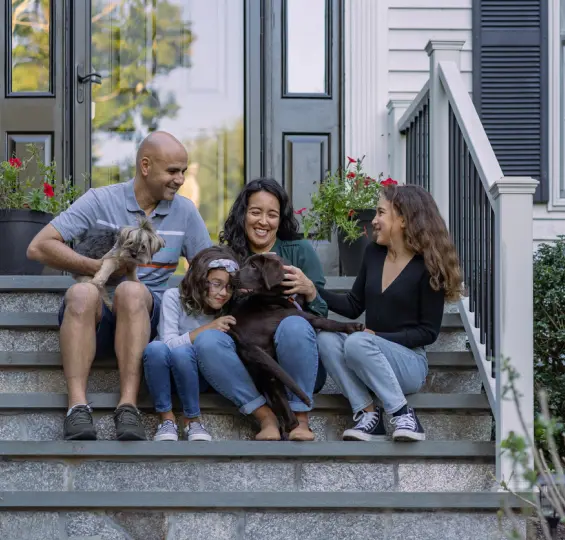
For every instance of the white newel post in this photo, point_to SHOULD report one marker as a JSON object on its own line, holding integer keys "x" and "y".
{"x": 513, "y": 200}
{"x": 439, "y": 51}
{"x": 396, "y": 141}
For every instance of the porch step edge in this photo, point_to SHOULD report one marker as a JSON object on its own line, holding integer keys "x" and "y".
{"x": 246, "y": 449}
{"x": 75, "y": 500}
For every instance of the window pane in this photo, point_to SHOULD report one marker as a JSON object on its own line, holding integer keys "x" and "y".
{"x": 306, "y": 67}
{"x": 30, "y": 62}
{"x": 177, "y": 66}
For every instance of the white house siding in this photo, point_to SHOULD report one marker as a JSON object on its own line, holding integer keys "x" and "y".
{"x": 385, "y": 60}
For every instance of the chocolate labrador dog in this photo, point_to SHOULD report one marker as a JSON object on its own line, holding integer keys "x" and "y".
{"x": 258, "y": 312}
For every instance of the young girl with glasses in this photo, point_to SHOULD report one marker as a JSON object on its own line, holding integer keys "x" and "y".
{"x": 199, "y": 303}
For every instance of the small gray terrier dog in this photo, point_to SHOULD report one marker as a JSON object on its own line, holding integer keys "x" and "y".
{"x": 130, "y": 246}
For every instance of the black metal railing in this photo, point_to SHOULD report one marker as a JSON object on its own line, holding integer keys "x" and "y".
{"x": 471, "y": 222}
{"x": 418, "y": 146}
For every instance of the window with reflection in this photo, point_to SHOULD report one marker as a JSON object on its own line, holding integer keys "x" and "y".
{"x": 177, "y": 66}
{"x": 306, "y": 37}
{"x": 30, "y": 42}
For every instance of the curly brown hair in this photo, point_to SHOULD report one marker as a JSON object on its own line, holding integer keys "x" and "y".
{"x": 426, "y": 234}
{"x": 193, "y": 287}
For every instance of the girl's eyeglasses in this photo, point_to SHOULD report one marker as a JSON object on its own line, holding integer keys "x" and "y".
{"x": 218, "y": 286}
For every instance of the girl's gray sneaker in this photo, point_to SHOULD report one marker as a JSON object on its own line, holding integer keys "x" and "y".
{"x": 167, "y": 431}
{"x": 195, "y": 431}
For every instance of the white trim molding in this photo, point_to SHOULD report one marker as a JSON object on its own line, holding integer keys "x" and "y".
{"x": 555, "y": 121}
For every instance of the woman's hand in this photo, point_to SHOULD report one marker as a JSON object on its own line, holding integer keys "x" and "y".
{"x": 298, "y": 283}
{"x": 222, "y": 324}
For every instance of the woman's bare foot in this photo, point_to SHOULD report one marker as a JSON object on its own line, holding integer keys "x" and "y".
{"x": 302, "y": 432}
{"x": 269, "y": 424}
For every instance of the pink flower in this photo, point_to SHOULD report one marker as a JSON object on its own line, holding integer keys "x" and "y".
{"x": 300, "y": 212}
{"x": 351, "y": 175}
{"x": 351, "y": 212}
{"x": 351, "y": 160}
{"x": 15, "y": 162}
{"x": 389, "y": 182}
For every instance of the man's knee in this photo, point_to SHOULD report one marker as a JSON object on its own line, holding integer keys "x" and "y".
{"x": 83, "y": 299}
{"x": 132, "y": 297}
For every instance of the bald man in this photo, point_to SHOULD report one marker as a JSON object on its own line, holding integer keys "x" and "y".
{"x": 88, "y": 327}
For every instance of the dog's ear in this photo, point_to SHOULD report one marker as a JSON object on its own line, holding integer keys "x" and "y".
{"x": 272, "y": 271}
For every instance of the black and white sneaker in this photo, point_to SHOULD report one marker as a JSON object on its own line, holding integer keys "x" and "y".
{"x": 370, "y": 427}
{"x": 407, "y": 427}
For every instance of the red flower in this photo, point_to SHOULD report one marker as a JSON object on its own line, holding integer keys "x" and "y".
{"x": 367, "y": 182}
{"x": 300, "y": 212}
{"x": 389, "y": 182}
{"x": 351, "y": 175}
{"x": 48, "y": 190}
{"x": 351, "y": 160}
{"x": 351, "y": 212}
{"x": 15, "y": 162}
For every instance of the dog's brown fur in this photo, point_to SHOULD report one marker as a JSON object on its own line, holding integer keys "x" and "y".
{"x": 129, "y": 247}
{"x": 258, "y": 315}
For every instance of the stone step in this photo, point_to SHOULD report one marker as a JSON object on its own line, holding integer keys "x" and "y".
{"x": 48, "y": 321}
{"x": 256, "y": 516}
{"x": 39, "y": 417}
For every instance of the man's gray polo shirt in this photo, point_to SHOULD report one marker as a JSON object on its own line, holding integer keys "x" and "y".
{"x": 111, "y": 207}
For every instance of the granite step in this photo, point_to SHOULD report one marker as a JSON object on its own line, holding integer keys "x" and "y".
{"x": 39, "y": 417}
{"x": 256, "y": 516}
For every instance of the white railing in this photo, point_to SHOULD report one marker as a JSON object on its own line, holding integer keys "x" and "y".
{"x": 490, "y": 217}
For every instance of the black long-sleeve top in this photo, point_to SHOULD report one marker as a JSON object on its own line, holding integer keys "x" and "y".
{"x": 408, "y": 312}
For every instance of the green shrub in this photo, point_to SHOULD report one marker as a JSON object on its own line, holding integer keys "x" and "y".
{"x": 549, "y": 332}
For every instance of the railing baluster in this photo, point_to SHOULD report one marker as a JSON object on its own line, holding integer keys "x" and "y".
{"x": 482, "y": 277}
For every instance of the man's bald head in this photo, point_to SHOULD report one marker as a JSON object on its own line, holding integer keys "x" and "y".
{"x": 158, "y": 143}
{"x": 161, "y": 162}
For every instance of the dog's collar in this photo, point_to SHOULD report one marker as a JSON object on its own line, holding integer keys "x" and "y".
{"x": 292, "y": 300}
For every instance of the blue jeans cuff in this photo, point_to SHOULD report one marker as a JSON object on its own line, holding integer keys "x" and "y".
{"x": 299, "y": 406}
{"x": 394, "y": 409}
{"x": 361, "y": 407}
{"x": 248, "y": 408}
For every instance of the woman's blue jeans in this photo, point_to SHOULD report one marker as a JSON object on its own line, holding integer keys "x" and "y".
{"x": 297, "y": 353}
{"x": 159, "y": 363}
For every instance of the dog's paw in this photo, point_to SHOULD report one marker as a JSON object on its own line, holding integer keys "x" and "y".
{"x": 354, "y": 327}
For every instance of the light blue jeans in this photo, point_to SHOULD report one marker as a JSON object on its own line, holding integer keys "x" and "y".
{"x": 362, "y": 361}
{"x": 297, "y": 353}
{"x": 160, "y": 363}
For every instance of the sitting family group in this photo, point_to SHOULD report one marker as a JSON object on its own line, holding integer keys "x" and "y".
{"x": 179, "y": 338}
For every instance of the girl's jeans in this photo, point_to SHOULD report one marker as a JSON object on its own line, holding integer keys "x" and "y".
{"x": 362, "y": 361}
{"x": 297, "y": 353}
{"x": 159, "y": 362}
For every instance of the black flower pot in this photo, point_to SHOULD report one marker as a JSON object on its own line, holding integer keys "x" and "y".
{"x": 17, "y": 229}
{"x": 351, "y": 254}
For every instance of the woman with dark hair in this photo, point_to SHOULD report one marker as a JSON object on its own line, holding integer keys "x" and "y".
{"x": 200, "y": 303}
{"x": 406, "y": 275}
{"x": 262, "y": 220}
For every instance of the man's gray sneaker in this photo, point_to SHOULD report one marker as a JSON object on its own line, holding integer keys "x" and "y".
{"x": 195, "y": 431}
{"x": 127, "y": 420}
{"x": 167, "y": 431}
{"x": 79, "y": 425}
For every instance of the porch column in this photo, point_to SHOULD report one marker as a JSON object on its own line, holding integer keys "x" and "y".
{"x": 396, "y": 141}
{"x": 439, "y": 51}
{"x": 514, "y": 312}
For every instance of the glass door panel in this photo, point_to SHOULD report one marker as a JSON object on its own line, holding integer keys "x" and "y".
{"x": 177, "y": 66}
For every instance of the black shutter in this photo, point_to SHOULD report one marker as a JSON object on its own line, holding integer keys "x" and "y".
{"x": 510, "y": 82}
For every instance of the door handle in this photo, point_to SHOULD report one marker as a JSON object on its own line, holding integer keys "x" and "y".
{"x": 88, "y": 78}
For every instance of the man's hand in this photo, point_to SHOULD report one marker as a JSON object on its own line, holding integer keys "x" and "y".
{"x": 222, "y": 324}
{"x": 369, "y": 331}
{"x": 298, "y": 283}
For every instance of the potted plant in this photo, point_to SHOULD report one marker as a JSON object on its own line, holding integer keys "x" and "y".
{"x": 25, "y": 209}
{"x": 345, "y": 203}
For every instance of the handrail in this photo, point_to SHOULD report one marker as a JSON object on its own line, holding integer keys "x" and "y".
{"x": 412, "y": 110}
{"x": 471, "y": 126}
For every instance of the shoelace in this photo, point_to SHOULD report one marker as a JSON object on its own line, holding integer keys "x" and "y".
{"x": 196, "y": 426}
{"x": 366, "y": 420}
{"x": 80, "y": 415}
{"x": 168, "y": 425}
{"x": 127, "y": 416}
{"x": 404, "y": 421}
